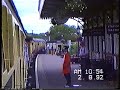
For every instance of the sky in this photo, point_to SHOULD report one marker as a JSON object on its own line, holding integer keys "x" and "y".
{"x": 28, "y": 12}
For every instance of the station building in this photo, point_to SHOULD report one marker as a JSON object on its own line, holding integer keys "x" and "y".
{"x": 100, "y": 29}
{"x": 101, "y": 24}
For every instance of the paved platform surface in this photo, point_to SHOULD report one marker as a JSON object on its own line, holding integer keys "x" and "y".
{"x": 31, "y": 77}
{"x": 49, "y": 75}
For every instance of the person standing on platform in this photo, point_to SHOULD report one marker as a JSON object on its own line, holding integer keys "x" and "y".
{"x": 85, "y": 63}
{"x": 67, "y": 67}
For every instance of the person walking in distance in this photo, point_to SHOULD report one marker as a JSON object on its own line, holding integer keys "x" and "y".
{"x": 67, "y": 67}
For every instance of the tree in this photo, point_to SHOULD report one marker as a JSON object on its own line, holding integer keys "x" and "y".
{"x": 74, "y": 49}
{"x": 71, "y": 6}
{"x": 65, "y": 32}
{"x": 40, "y": 36}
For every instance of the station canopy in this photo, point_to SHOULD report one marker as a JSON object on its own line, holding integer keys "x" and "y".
{"x": 55, "y": 8}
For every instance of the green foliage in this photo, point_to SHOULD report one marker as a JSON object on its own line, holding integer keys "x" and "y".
{"x": 41, "y": 35}
{"x": 73, "y": 49}
{"x": 68, "y": 32}
{"x": 75, "y": 5}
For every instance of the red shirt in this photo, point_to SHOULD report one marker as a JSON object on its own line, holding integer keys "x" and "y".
{"x": 66, "y": 64}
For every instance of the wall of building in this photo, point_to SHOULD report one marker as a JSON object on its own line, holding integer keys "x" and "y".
{"x": 107, "y": 44}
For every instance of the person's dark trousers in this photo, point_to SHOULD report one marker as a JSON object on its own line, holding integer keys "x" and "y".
{"x": 68, "y": 79}
{"x": 84, "y": 67}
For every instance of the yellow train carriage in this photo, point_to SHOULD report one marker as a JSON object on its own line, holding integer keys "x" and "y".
{"x": 36, "y": 44}
{"x": 13, "y": 39}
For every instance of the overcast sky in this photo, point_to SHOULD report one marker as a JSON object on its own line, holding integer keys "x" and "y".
{"x": 28, "y": 12}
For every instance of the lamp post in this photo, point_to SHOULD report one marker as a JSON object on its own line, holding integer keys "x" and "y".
{"x": 48, "y": 39}
{"x": 63, "y": 41}
{"x": 79, "y": 39}
{"x": 48, "y": 35}
{"x": 78, "y": 33}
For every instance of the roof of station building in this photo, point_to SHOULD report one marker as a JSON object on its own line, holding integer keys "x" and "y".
{"x": 50, "y": 7}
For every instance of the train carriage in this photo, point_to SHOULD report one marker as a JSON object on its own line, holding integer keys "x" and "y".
{"x": 13, "y": 40}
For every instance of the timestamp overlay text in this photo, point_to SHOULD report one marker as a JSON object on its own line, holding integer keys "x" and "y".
{"x": 92, "y": 74}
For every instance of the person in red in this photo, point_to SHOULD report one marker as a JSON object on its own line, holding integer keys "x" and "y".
{"x": 67, "y": 67}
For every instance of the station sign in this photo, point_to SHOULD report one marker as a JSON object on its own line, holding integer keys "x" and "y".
{"x": 96, "y": 31}
{"x": 112, "y": 28}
